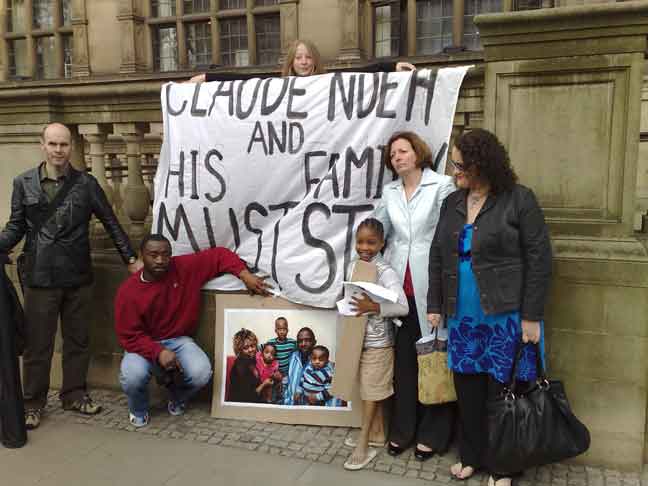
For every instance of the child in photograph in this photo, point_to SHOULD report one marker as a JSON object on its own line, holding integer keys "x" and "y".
{"x": 377, "y": 359}
{"x": 285, "y": 347}
{"x": 268, "y": 368}
{"x": 316, "y": 379}
{"x": 245, "y": 382}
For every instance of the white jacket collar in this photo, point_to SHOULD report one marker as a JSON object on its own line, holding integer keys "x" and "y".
{"x": 428, "y": 178}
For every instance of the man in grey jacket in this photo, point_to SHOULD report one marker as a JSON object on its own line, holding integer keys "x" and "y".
{"x": 56, "y": 269}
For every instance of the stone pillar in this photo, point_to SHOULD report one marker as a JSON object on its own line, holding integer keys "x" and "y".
{"x": 181, "y": 37}
{"x": 215, "y": 31}
{"x": 58, "y": 40}
{"x": 289, "y": 20}
{"x": 251, "y": 29}
{"x": 77, "y": 158}
{"x": 563, "y": 93}
{"x": 137, "y": 195}
{"x": 131, "y": 25}
{"x": 96, "y": 137}
{"x": 80, "y": 57}
{"x": 350, "y": 26}
{"x": 411, "y": 33}
{"x": 157, "y": 132}
{"x": 114, "y": 163}
{"x": 458, "y": 9}
{"x": 31, "y": 45}
{"x": 4, "y": 52}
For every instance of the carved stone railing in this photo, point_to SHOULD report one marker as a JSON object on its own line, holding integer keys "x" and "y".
{"x": 123, "y": 158}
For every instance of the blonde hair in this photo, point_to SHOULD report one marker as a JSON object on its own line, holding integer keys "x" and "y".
{"x": 287, "y": 69}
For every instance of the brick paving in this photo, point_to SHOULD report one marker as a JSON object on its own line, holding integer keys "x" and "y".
{"x": 314, "y": 443}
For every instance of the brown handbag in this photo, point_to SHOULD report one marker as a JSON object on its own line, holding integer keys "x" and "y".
{"x": 435, "y": 381}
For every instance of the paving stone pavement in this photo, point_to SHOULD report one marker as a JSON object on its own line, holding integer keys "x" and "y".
{"x": 314, "y": 443}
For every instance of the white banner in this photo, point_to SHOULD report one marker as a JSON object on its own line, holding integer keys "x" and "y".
{"x": 282, "y": 170}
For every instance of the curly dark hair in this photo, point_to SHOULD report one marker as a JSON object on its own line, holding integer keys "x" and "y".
{"x": 481, "y": 149}
{"x": 239, "y": 340}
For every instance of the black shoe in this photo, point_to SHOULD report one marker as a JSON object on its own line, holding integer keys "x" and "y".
{"x": 394, "y": 450}
{"x": 421, "y": 455}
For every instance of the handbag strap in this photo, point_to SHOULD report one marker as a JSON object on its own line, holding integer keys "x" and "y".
{"x": 540, "y": 371}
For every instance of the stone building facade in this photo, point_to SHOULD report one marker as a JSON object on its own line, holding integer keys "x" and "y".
{"x": 560, "y": 81}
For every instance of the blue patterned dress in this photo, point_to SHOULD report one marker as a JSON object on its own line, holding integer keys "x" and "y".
{"x": 480, "y": 343}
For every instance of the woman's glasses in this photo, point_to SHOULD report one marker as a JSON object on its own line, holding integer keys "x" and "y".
{"x": 458, "y": 165}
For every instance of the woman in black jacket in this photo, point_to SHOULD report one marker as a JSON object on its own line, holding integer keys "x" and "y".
{"x": 490, "y": 265}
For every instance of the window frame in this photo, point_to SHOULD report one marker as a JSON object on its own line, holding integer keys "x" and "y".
{"x": 408, "y": 41}
{"x": 402, "y": 24}
{"x": 214, "y": 16}
{"x": 58, "y": 32}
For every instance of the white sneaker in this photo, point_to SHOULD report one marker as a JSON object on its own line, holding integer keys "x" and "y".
{"x": 138, "y": 422}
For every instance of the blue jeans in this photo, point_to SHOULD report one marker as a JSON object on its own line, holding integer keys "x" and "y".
{"x": 136, "y": 372}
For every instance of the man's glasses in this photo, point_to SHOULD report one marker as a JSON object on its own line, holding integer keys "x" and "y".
{"x": 457, "y": 165}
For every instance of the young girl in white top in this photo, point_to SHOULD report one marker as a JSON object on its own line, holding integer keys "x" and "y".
{"x": 377, "y": 359}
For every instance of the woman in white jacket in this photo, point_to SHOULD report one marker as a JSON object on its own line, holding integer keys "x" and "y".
{"x": 409, "y": 212}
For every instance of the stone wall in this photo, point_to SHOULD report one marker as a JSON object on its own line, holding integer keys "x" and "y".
{"x": 562, "y": 92}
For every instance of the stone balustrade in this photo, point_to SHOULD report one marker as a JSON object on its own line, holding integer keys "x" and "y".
{"x": 123, "y": 158}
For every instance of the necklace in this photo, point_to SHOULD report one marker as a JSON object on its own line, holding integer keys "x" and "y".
{"x": 474, "y": 201}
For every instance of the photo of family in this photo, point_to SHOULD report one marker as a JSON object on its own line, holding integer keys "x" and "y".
{"x": 279, "y": 357}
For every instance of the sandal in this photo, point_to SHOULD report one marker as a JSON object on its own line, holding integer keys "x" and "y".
{"x": 493, "y": 480}
{"x": 352, "y": 466}
{"x": 394, "y": 450}
{"x": 421, "y": 455}
{"x": 457, "y": 472}
{"x": 352, "y": 442}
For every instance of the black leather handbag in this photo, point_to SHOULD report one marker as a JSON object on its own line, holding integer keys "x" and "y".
{"x": 532, "y": 427}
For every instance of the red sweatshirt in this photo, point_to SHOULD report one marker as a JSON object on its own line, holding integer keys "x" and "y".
{"x": 148, "y": 312}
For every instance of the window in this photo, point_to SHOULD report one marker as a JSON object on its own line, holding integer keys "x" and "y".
{"x": 433, "y": 31}
{"x": 42, "y": 14}
{"x": 268, "y": 41}
{"x": 231, "y": 4}
{"x": 234, "y": 42}
{"x": 388, "y": 29}
{"x": 249, "y": 33}
{"x": 528, "y": 4}
{"x": 66, "y": 5}
{"x": 196, "y": 6}
{"x": 165, "y": 53}
{"x": 163, "y": 8}
{"x": 45, "y": 58}
{"x": 472, "y": 8}
{"x": 16, "y": 16}
{"x": 433, "y": 26}
{"x": 199, "y": 50}
{"x": 67, "y": 56}
{"x": 18, "y": 58}
{"x": 37, "y": 36}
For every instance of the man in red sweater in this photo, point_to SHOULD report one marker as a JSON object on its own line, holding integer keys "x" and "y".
{"x": 156, "y": 310}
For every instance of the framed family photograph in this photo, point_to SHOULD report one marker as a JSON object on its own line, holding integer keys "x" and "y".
{"x": 274, "y": 361}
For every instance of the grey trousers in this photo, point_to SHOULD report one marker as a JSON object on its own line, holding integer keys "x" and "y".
{"x": 42, "y": 310}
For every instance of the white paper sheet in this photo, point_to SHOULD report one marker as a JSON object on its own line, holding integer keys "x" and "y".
{"x": 376, "y": 292}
